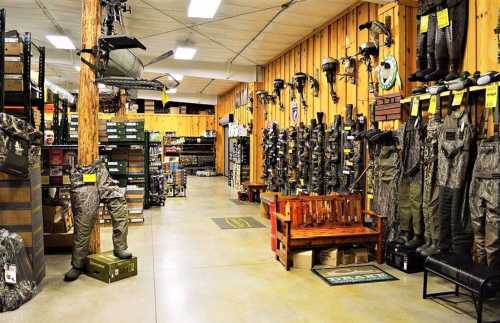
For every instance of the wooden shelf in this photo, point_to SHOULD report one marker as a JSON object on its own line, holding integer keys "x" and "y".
{"x": 427, "y": 96}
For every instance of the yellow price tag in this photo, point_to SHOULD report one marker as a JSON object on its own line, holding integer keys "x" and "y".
{"x": 45, "y": 180}
{"x": 424, "y": 24}
{"x": 89, "y": 178}
{"x": 492, "y": 96}
{"x": 302, "y": 181}
{"x": 347, "y": 128}
{"x": 370, "y": 196}
{"x": 433, "y": 105}
{"x": 347, "y": 151}
{"x": 457, "y": 98}
{"x": 415, "y": 106}
{"x": 164, "y": 97}
{"x": 443, "y": 18}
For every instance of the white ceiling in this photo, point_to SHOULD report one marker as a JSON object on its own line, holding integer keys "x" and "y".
{"x": 162, "y": 24}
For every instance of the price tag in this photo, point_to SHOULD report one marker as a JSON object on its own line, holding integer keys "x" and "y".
{"x": 424, "y": 24}
{"x": 347, "y": 128}
{"x": 491, "y": 96}
{"x": 347, "y": 151}
{"x": 370, "y": 196}
{"x": 10, "y": 273}
{"x": 302, "y": 181}
{"x": 414, "y": 107}
{"x": 433, "y": 105}
{"x": 457, "y": 98}
{"x": 89, "y": 178}
{"x": 443, "y": 18}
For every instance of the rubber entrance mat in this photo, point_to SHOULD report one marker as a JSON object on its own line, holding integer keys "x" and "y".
{"x": 349, "y": 275}
{"x": 237, "y": 223}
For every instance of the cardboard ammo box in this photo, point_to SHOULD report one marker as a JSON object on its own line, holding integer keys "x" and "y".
{"x": 13, "y": 65}
{"x": 13, "y": 83}
{"x": 13, "y": 47}
{"x": 108, "y": 268}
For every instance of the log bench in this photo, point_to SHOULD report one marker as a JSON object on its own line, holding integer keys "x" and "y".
{"x": 317, "y": 222}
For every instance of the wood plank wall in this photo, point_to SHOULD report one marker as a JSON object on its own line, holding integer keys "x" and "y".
{"x": 340, "y": 37}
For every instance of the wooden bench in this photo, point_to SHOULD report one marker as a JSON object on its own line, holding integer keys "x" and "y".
{"x": 253, "y": 189}
{"x": 317, "y": 222}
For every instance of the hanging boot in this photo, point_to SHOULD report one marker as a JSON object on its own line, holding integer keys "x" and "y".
{"x": 440, "y": 52}
{"x": 434, "y": 249}
{"x": 415, "y": 242}
{"x": 456, "y": 34}
{"x": 421, "y": 47}
{"x": 431, "y": 40}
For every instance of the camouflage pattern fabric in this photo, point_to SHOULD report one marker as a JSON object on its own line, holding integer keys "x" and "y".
{"x": 455, "y": 140}
{"x": 485, "y": 204}
{"x": 85, "y": 199}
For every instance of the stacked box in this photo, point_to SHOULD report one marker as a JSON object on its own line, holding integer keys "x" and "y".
{"x": 115, "y": 131}
{"x": 13, "y": 64}
{"x": 149, "y": 106}
{"x": 103, "y": 134}
{"x": 135, "y": 200}
{"x": 136, "y": 161}
{"x": 108, "y": 268}
{"x": 21, "y": 213}
{"x": 134, "y": 131}
{"x": 73, "y": 128}
{"x": 118, "y": 167}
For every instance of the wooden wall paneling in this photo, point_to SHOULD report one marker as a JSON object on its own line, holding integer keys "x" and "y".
{"x": 342, "y": 52}
{"x": 318, "y": 39}
{"x": 286, "y": 92}
{"x": 311, "y": 110}
{"x": 303, "y": 68}
{"x": 333, "y": 52}
{"x": 297, "y": 66}
{"x": 291, "y": 69}
{"x": 363, "y": 16}
{"x": 352, "y": 48}
{"x": 285, "y": 105}
{"x": 470, "y": 54}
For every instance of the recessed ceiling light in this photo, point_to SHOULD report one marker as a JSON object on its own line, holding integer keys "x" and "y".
{"x": 61, "y": 42}
{"x": 203, "y": 8}
{"x": 172, "y": 91}
{"x": 77, "y": 68}
{"x": 185, "y": 53}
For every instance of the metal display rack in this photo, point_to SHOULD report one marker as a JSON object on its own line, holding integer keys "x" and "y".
{"x": 194, "y": 147}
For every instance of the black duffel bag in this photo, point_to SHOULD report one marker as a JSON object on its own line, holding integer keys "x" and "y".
{"x": 16, "y": 138}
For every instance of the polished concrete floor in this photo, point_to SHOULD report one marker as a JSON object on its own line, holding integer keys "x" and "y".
{"x": 191, "y": 271}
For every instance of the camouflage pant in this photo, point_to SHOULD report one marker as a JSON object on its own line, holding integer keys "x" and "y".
{"x": 410, "y": 205}
{"x": 485, "y": 204}
{"x": 85, "y": 199}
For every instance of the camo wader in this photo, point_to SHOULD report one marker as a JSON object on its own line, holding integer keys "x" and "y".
{"x": 85, "y": 199}
{"x": 454, "y": 155}
{"x": 332, "y": 155}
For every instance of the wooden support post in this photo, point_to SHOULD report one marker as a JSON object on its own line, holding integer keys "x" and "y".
{"x": 121, "y": 113}
{"x": 88, "y": 98}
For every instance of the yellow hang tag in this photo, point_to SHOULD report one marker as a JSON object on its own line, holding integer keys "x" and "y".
{"x": 491, "y": 96}
{"x": 457, "y": 98}
{"x": 89, "y": 178}
{"x": 347, "y": 151}
{"x": 347, "y": 128}
{"x": 302, "y": 181}
{"x": 443, "y": 18}
{"x": 370, "y": 196}
{"x": 433, "y": 105}
{"x": 164, "y": 97}
{"x": 414, "y": 107}
{"x": 45, "y": 180}
{"x": 424, "y": 24}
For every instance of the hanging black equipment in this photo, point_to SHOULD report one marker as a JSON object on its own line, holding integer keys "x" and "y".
{"x": 279, "y": 85}
{"x": 330, "y": 67}
{"x": 300, "y": 80}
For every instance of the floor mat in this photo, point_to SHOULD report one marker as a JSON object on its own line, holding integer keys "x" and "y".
{"x": 237, "y": 223}
{"x": 349, "y": 275}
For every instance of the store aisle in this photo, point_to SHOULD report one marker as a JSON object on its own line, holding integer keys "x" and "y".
{"x": 192, "y": 271}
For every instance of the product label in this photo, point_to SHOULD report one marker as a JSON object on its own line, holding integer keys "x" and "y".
{"x": 424, "y": 24}
{"x": 10, "y": 273}
{"x": 89, "y": 178}
{"x": 443, "y": 18}
{"x": 457, "y": 98}
{"x": 433, "y": 105}
{"x": 492, "y": 95}
{"x": 347, "y": 128}
{"x": 414, "y": 106}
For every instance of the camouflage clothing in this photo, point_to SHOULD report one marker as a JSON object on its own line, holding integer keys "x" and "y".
{"x": 485, "y": 204}
{"x": 85, "y": 199}
{"x": 455, "y": 140}
{"x": 431, "y": 192}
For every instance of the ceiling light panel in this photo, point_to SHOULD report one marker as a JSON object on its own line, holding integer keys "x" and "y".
{"x": 61, "y": 42}
{"x": 185, "y": 53}
{"x": 203, "y": 8}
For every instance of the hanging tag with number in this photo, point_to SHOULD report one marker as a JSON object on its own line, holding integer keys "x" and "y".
{"x": 443, "y": 18}
{"x": 424, "y": 24}
{"x": 457, "y": 98}
{"x": 491, "y": 96}
{"x": 433, "y": 104}
{"x": 89, "y": 178}
{"x": 415, "y": 106}
{"x": 10, "y": 276}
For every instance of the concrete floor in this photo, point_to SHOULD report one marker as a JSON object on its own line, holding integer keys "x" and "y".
{"x": 191, "y": 271}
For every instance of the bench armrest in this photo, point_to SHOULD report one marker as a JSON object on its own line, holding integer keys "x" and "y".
{"x": 282, "y": 217}
{"x": 374, "y": 214}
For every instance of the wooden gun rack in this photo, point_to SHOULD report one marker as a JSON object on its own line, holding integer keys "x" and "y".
{"x": 315, "y": 222}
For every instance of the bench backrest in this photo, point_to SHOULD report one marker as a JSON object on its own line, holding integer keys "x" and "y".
{"x": 322, "y": 211}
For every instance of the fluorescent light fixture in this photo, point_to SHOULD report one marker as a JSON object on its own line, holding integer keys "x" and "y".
{"x": 178, "y": 77}
{"x": 185, "y": 53}
{"x": 77, "y": 68}
{"x": 203, "y": 8}
{"x": 172, "y": 91}
{"x": 61, "y": 42}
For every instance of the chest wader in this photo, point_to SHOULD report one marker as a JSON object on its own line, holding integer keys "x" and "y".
{"x": 85, "y": 199}
{"x": 421, "y": 45}
{"x": 454, "y": 161}
{"x": 281, "y": 168}
{"x": 304, "y": 159}
{"x": 273, "y": 158}
{"x": 485, "y": 200}
{"x": 332, "y": 154}
{"x": 410, "y": 191}
{"x": 385, "y": 182}
{"x": 292, "y": 161}
{"x": 430, "y": 204}
{"x": 318, "y": 157}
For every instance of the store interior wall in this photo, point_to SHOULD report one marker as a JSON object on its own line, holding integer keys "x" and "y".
{"x": 341, "y": 37}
